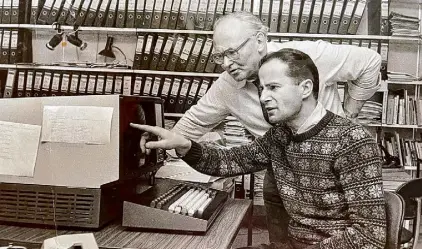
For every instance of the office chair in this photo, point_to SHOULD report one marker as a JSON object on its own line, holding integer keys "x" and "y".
{"x": 395, "y": 214}
{"x": 411, "y": 192}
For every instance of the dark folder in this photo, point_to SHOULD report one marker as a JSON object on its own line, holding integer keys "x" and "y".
{"x": 156, "y": 53}
{"x": 7, "y": 12}
{"x": 203, "y": 58}
{"x": 102, "y": 13}
{"x": 80, "y": 19}
{"x": 111, "y": 14}
{"x": 162, "y": 62}
{"x": 192, "y": 94}
{"x": 193, "y": 58}
{"x": 156, "y": 15}
{"x": 20, "y": 90}
{"x": 171, "y": 103}
{"x": 55, "y": 84}
{"x": 130, "y": 14}
{"x": 92, "y": 13}
{"x": 139, "y": 13}
{"x": 29, "y": 83}
{"x": 13, "y": 58}
{"x": 121, "y": 14}
{"x": 64, "y": 12}
{"x": 174, "y": 14}
{"x": 54, "y": 13}
{"x": 181, "y": 98}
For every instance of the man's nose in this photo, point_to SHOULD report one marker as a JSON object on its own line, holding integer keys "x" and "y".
{"x": 264, "y": 97}
{"x": 227, "y": 62}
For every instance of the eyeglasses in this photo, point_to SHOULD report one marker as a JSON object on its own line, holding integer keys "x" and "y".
{"x": 232, "y": 54}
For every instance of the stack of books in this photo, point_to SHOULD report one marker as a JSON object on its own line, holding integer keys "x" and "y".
{"x": 402, "y": 77}
{"x": 370, "y": 113}
{"x": 235, "y": 133}
{"x": 404, "y": 25}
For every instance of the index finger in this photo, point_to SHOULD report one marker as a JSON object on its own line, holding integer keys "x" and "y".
{"x": 152, "y": 129}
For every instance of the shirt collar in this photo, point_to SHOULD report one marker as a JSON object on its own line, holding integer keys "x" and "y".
{"x": 317, "y": 114}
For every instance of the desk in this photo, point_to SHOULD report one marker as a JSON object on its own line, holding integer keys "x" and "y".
{"x": 393, "y": 178}
{"x": 219, "y": 236}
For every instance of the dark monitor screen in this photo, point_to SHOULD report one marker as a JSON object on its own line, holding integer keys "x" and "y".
{"x": 140, "y": 110}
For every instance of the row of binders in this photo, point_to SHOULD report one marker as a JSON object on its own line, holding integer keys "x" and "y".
{"x": 179, "y": 93}
{"x": 192, "y": 53}
{"x": 182, "y": 53}
{"x": 12, "y": 11}
{"x": 303, "y": 16}
{"x": 15, "y": 46}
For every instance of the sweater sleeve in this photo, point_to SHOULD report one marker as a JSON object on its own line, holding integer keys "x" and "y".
{"x": 358, "y": 168}
{"x": 212, "y": 160}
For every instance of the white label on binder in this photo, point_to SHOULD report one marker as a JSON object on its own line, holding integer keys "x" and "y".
{"x": 137, "y": 86}
{"x": 147, "y": 87}
{"x": 166, "y": 87}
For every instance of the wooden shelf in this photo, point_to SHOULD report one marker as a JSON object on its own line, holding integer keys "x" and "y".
{"x": 394, "y": 126}
{"x": 206, "y": 32}
{"x": 404, "y": 82}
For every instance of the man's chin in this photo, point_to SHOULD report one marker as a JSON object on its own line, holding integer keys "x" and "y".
{"x": 237, "y": 76}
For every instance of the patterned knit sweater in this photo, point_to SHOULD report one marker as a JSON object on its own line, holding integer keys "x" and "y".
{"x": 329, "y": 179}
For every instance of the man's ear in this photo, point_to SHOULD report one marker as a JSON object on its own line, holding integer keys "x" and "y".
{"x": 307, "y": 87}
{"x": 261, "y": 39}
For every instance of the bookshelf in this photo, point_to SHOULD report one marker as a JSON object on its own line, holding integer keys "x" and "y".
{"x": 403, "y": 51}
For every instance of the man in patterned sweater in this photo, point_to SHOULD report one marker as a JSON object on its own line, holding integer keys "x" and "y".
{"x": 327, "y": 168}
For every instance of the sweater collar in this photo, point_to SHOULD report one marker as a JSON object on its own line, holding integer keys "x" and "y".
{"x": 314, "y": 130}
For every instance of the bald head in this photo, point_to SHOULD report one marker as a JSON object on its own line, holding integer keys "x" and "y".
{"x": 239, "y": 23}
{"x": 245, "y": 36}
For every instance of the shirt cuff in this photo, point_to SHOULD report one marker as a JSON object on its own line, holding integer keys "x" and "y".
{"x": 359, "y": 93}
{"x": 194, "y": 154}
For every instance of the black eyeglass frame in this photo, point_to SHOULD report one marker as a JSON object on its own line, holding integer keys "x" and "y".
{"x": 232, "y": 54}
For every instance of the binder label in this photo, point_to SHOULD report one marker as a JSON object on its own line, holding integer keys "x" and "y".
{"x": 175, "y": 88}
{"x": 149, "y": 44}
{"x": 166, "y": 87}
{"x": 147, "y": 87}
{"x": 82, "y": 83}
{"x": 137, "y": 86}
{"x": 168, "y": 45}
{"x": 56, "y": 82}
{"x": 139, "y": 44}
{"x": 158, "y": 45}
{"x": 286, "y": 7}
{"x": 100, "y": 84}
{"x": 187, "y": 49}
{"x": 127, "y": 84}
{"x": 178, "y": 46}
{"x": 118, "y": 84}
{"x": 156, "y": 86}
{"x": 21, "y": 80}
{"x": 109, "y": 84}
{"x": 91, "y": 83}
{"x": 65, "y": 83}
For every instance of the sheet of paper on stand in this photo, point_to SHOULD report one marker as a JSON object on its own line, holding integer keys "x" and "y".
{"x": 177, "y": 169}
{"x": 18, "y": 148}
{"x": 71, "y": 241}
{"x": 77, "y": 124}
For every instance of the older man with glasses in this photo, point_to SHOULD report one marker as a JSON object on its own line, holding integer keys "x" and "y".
{"x": 240, "y": 41}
